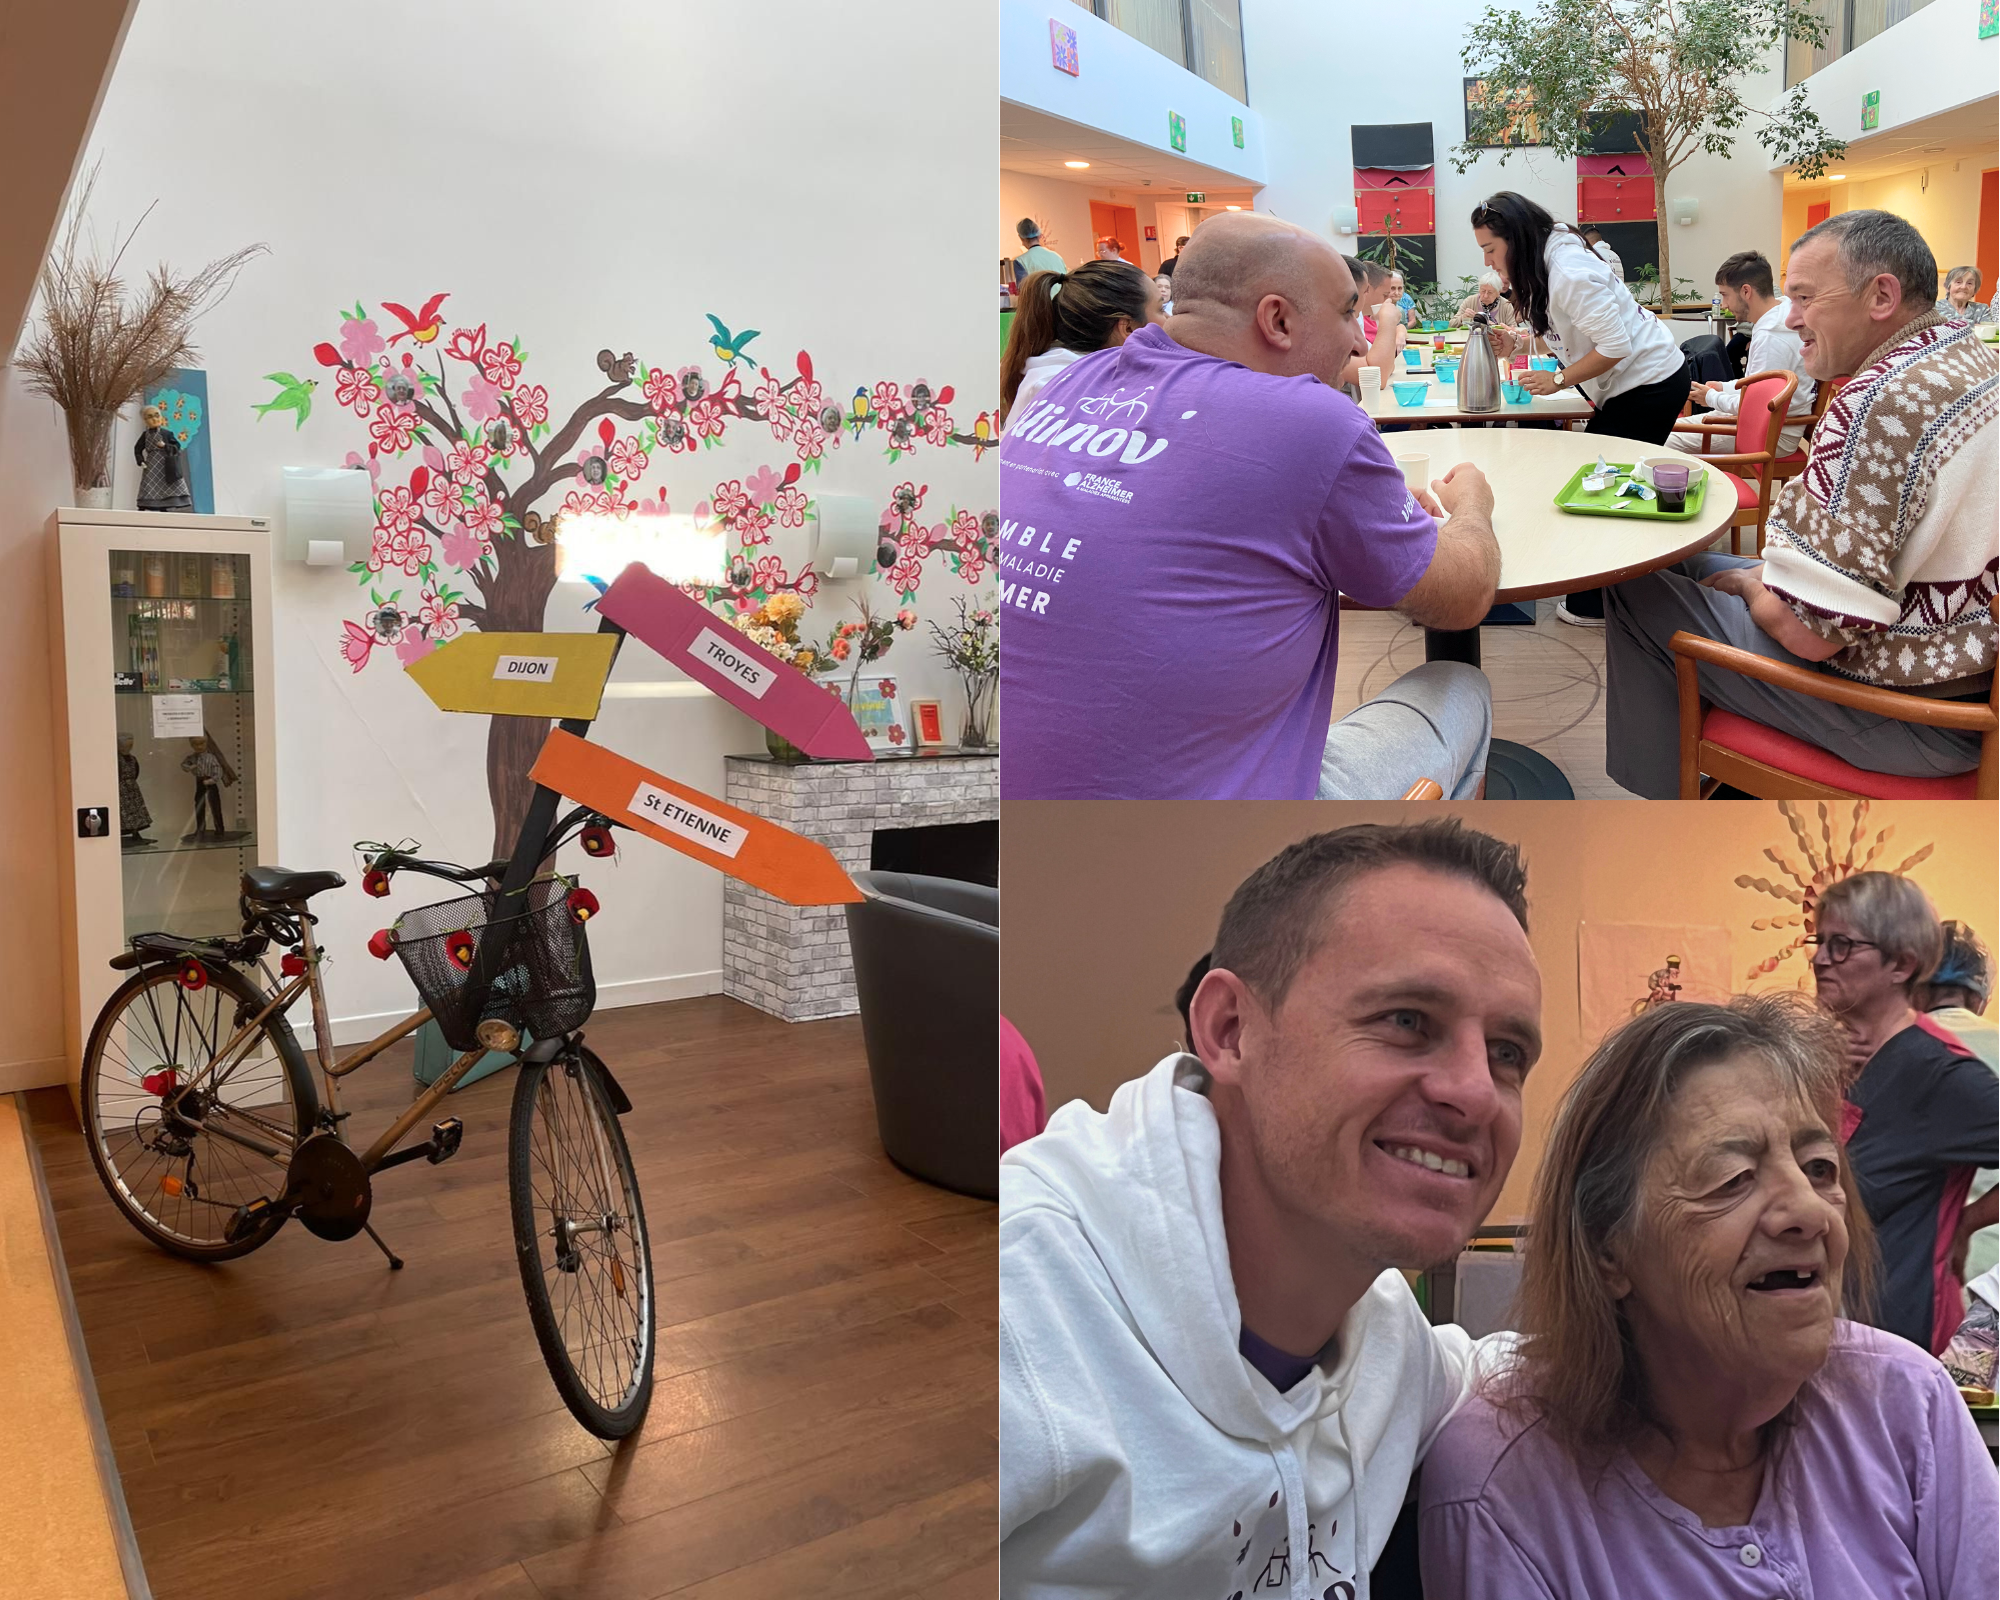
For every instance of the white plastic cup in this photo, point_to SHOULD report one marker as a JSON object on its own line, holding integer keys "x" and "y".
{"x": 1416, "y": 471}
{"x": 1371, "y": 383}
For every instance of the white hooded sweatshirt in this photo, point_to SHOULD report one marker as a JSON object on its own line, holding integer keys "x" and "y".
{"x": 1140, "y": 1454}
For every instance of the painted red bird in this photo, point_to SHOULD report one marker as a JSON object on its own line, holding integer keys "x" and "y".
{"x": 422, "y": 326}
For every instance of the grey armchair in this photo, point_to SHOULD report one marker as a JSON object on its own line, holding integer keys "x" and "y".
{"x": 927, "y": 975}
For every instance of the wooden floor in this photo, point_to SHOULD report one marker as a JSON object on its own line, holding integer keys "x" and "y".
{"x": 1548, "y": 685}
{"x": 305, "y": 1423}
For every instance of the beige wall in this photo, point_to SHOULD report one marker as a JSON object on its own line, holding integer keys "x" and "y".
{"x": 1108, "y": 905}
{"x": 1942, "y": 204}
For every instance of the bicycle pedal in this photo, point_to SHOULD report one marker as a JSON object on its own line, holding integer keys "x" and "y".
{"x": 445, "y": 1139}
{"x": 248, "y": 1219}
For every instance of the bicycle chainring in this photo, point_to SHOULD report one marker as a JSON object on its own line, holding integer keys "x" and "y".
{"x": 329, "y": 1188}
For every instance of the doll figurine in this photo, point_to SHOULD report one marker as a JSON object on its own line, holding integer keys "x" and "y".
{"x": 1663, "y": 986}
{"x": 210, "y": 773}
{"x": 133, "y": 817}
{"x": 163, "y": 484}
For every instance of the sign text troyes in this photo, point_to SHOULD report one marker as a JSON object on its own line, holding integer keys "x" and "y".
{"x": 734, "y": 662}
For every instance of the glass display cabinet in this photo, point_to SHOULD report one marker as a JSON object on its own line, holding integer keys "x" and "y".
{"x": 161, "y": 627}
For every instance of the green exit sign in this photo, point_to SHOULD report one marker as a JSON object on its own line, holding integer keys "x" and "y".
{"x": 1195, "y": 197}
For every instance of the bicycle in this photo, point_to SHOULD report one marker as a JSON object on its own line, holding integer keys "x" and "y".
{"x": 198, "y": 1102}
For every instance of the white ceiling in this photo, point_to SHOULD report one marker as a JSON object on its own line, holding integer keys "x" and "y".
{"x": 1965, "y": 133}
{"x": 1032, "y": 141}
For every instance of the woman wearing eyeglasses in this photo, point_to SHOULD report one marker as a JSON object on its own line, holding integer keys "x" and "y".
{"x": 1621, "y": 358}
{"x": 1923, "y": 1112}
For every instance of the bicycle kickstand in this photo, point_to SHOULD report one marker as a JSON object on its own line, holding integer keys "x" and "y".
{"x": 395, "y": 1261}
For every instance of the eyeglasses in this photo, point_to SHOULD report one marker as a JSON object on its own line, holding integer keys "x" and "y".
{"x": 1838, "y": 946}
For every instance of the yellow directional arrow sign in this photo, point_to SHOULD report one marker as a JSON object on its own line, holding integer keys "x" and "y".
{"x": 518, "y": 674}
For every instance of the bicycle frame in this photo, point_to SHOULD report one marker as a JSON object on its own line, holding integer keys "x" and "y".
{"x": 538, "y": 827}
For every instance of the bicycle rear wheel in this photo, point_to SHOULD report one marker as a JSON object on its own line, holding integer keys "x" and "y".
{"x": 155, "y": 1119}
{"x": 580, "y": 1235}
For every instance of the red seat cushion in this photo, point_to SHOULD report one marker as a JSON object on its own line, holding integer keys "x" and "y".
{"x": 1746, "y": 493}
{"x": 1795, "y": 462}
{"x": 1781, "y": 750}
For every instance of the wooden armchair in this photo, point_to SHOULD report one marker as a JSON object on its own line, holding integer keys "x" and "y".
{"x": 1753, "y": 435}
{"x": 1775, "y": 766}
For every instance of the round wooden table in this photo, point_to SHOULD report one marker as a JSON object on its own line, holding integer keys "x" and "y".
{"x": 1544, "y": 551}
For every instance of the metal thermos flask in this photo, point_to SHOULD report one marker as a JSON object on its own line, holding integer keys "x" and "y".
{"x": 1479, "y": 371}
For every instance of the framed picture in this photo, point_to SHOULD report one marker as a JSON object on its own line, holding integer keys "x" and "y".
{"x": 879, "y": 713}
{"x": 1062, "y": 48}
{"x": 927, "y": 717}
{"x": 1491, "y": 126}
{"x": 1177, "y": 130}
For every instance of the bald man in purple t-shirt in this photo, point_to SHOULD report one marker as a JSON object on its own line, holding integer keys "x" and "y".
{"x": 1180, "y": 515}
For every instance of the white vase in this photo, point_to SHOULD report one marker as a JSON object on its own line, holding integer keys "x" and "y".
{"x": 98, "y": 499}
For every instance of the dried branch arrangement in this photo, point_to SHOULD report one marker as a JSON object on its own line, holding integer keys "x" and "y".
{"x": 93, "y": 347}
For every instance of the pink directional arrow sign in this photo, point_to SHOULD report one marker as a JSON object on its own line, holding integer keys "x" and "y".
{"x": 747, "y": 675}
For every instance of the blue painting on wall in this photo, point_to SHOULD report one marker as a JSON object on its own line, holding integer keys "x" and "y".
{"x": 183, "y": 396}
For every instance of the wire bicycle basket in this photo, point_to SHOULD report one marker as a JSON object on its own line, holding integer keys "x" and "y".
{"x": 542, "y": 981}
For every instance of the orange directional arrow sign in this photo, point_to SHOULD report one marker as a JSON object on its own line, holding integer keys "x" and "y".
{"x": 795, "y": 869}
{"x": 518, "y": 674}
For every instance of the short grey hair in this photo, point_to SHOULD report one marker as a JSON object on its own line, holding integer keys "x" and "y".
{"x": 1894, "y": 915}
{"x": 1490, "y": 279}
{"x": 1871, "y": 243}
{"x": 1956, "y": 273}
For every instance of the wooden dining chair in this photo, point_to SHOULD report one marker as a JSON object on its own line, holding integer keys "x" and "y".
{"x": 1792, "y": 466}
{"x": 1762, "y": 761}
{"x": 1753, "y": 435}
{"x": 1425, "y": 789}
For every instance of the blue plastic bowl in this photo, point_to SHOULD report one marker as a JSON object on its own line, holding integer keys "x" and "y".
{"x": 1517, "y": 393}
{"x": 1413, "y": 359}
{"x": 1546, "y": 364}
{"x": 1447, "y": 372}
{"x": 1409, "y": 394}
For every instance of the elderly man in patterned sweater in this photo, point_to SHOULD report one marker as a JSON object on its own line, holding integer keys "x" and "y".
{"x": 1879, "y": 563}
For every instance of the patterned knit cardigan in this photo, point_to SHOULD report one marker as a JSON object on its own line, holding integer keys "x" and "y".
{"x": 1890, "y": 542}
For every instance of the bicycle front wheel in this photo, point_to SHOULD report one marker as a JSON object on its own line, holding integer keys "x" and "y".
{"x": 180, "y": 1137}
{"x": 580, "y": 1235}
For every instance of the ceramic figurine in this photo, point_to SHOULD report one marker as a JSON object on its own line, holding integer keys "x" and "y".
{"x": 210, "y": 773}
{"x": 133, "y": 817}
{"x": 163, "y": 484}
{"x": 1663, "y": 986}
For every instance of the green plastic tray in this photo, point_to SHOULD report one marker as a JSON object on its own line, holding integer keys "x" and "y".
{"x": 1573, "y": 498}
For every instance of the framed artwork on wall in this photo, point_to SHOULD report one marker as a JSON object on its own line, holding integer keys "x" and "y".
{"x": 183, "y": 396}
{"x": 1489, "y": 125}
{"x": 879, "y": 712}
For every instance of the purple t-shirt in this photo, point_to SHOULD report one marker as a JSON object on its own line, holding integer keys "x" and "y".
{"x": 1175, "y": 534}
{"x": 1882, "y": 1490}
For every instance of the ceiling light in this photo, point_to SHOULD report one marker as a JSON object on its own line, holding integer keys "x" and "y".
{"x": 1232, "y": 208}
{"x": 1078, "y": 165}
{"x": 1836, "y": 177}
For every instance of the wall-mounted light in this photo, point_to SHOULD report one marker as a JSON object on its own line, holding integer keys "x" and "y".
{"x": 1076, "y": 166}
{"x": 329, "y": 515}
{"x": 1346, "y": 219}
{"x": 1686, "y": 212}
{"x": 845, "y": 531}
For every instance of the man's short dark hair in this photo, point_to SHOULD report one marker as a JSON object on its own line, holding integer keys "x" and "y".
{"x": 1277, "y": 915}
{"x": 1180, "y": 241}
{"x": 1028, "y": 229}
{"x": 1872, "y": 243}
{"x": 1184, "y": 997}
{"x": 1590, "y": 231}
{"x": 1746, "y": 269}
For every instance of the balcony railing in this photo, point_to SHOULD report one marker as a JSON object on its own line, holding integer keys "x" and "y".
{"x": 1204, "y": 36}
{"x": 1849, "y": 24}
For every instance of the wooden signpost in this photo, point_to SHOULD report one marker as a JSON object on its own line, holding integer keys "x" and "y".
{"x": 717, "y": 657}
{"x": 794, "y": 869}
{"x": 555, "y": 675}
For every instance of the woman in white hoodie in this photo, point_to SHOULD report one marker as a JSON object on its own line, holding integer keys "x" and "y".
{"x": 1064, "y": 316}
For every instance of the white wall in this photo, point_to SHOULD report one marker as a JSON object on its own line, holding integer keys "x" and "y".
{"x": 1940, "y": 201}
{"x": 1063, "y": 210}
{"x": 601, "y": 173}
{"x": 1315, "y": 70}
{"x": 1124, "y": 87}
{"x": 1927, "y": 63}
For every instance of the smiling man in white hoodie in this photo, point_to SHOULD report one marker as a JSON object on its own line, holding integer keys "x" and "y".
{"x": 1214, "y": 1383}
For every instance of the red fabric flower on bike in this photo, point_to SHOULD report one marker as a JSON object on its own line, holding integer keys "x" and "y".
{"x": 582, "y": 905}
{"x": 193, "y": 974}
{"x": 375, "y": 882}
{"x": 292, "y": 965}
{"x": 459, "y": 948}
{"x": 161, "y": 1083}
{"x": 382, "y": 943}
{"x": 596, "y": 840}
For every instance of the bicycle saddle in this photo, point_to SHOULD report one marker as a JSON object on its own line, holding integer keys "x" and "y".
{"x": 276, "y": 886}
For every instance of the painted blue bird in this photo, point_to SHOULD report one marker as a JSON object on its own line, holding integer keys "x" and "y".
{"x": 730, "y": 346}
{"x": 860, "y": 417}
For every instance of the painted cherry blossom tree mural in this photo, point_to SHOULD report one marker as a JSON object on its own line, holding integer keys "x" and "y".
{"x": 474, "y": 468}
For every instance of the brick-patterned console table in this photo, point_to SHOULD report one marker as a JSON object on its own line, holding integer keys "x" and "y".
{"x": 792, "y": 961}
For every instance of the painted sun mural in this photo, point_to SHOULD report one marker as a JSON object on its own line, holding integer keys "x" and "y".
{"x": 1825, "y": 863}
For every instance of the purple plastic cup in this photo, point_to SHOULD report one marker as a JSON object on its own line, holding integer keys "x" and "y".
{"x": 1670, "y": 483}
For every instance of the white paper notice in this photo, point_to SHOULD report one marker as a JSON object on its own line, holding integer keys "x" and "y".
{"x": 176, "y": 716}
{"x": 525, "y": 669}
{"x": 674, "y": 814}
{"x": 734, "y": 663}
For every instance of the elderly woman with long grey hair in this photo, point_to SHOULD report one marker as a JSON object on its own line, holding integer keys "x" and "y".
{"x": 1689, "y": 1413}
